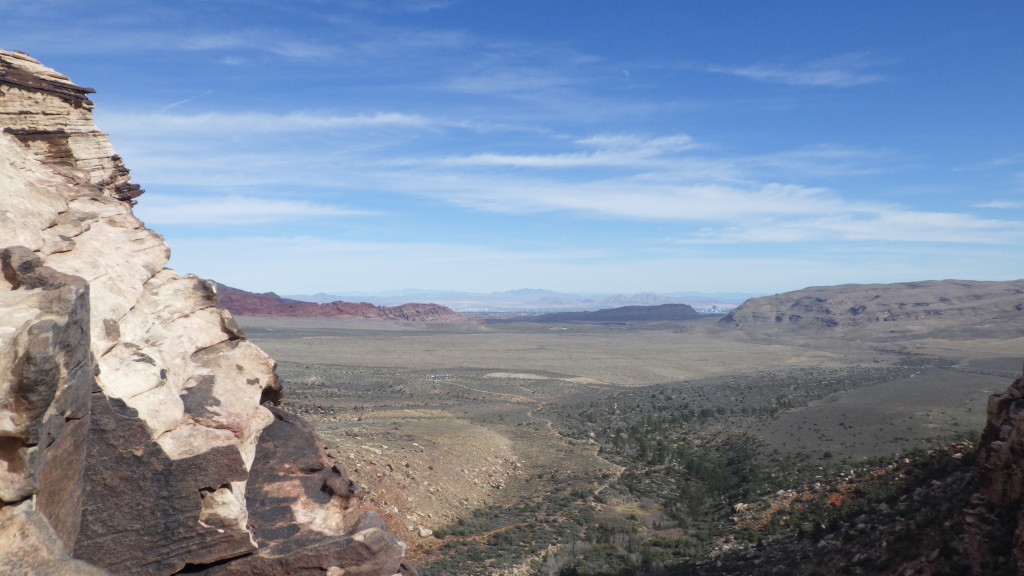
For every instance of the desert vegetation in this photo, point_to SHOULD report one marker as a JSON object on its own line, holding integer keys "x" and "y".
{"x": 556, "y": 449}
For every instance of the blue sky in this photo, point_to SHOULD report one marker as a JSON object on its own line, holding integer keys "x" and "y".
{"x": 587, "y": 146}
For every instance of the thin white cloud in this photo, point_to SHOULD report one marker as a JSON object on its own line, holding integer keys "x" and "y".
{"x": 840, "y": 72}
{"x": 388, "y": 6}
{"x": 532, "y": 161}
{"x": 233, "y": 124}
{"x": 674, "y": 143}
{"x": 217, "y": 41}
{"x": 511, "y": 82}
{"x": 1002, "y": 204}
{"x": 660, "y": 179}
{"x": 884, "y": 224}
{"x": 152, "y": 37}
{"x": 739, "y": 212}
{"x": 629, "y": 197}
{"x": 232, "y": 210}
{"x": 825, "y": 160}
{"x": 391, "y": 43}
{"x": 1012, "y": 160}
{"x": 613, "y": 150}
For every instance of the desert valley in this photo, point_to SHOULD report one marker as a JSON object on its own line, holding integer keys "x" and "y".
{"x": 632, "y": 446}
{"x": 156, "y": 423}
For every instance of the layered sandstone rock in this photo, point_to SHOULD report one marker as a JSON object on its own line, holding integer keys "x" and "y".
{"x": 131, "y": 407}
{"x": 53, "y": 117}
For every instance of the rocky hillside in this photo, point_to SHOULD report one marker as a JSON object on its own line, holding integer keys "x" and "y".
{"x": 135, "y": 437}
{"x": 989, "y": 308}
{"x": 955, "y": 510}
{"x": 245, "y": 303}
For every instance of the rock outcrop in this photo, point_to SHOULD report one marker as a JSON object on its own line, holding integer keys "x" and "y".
{"x": 133, "y": 432}
{"x": 996, "y": 518}
{"x": 53, "y": 117}
{"x": 245, "y": 303}
{"x": 993, "y": 308}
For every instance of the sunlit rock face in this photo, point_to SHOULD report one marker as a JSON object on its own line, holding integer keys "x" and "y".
{"x": 130, "y": 405}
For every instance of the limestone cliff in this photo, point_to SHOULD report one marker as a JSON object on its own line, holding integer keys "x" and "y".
{"x": 132, "y": 425}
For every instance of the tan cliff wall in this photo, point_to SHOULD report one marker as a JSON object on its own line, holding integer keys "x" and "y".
{"x": 131, "y": 407}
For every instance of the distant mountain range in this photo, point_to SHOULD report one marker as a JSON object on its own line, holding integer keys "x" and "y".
{"x": 535, "y": 300}
{"x": 242, "y": 303}
{"x": 659, "y": 313}
{"x": 946, "y": 306}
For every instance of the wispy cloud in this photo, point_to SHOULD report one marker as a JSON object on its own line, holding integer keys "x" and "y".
{"x": 227, "y": 123}
{"x": 826, "y": 160}
{"x": 667, "y": 180}
{"x": 841, "y": 71}
{"x": 612, "y": 150}
{"x": 399, "y": 5}
{"x": 664, "y": 179}
{"x": 875, "y": 224}
{"x": 251, "y": 40}
{"x": 1011, "y": 161}
{"x": 511, "y": 82}
{"x": 233, "y": 210}
{"x": 147, "y": 37}
{"x": 629, "y": 198}
{"x": 1002, "y": 204}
